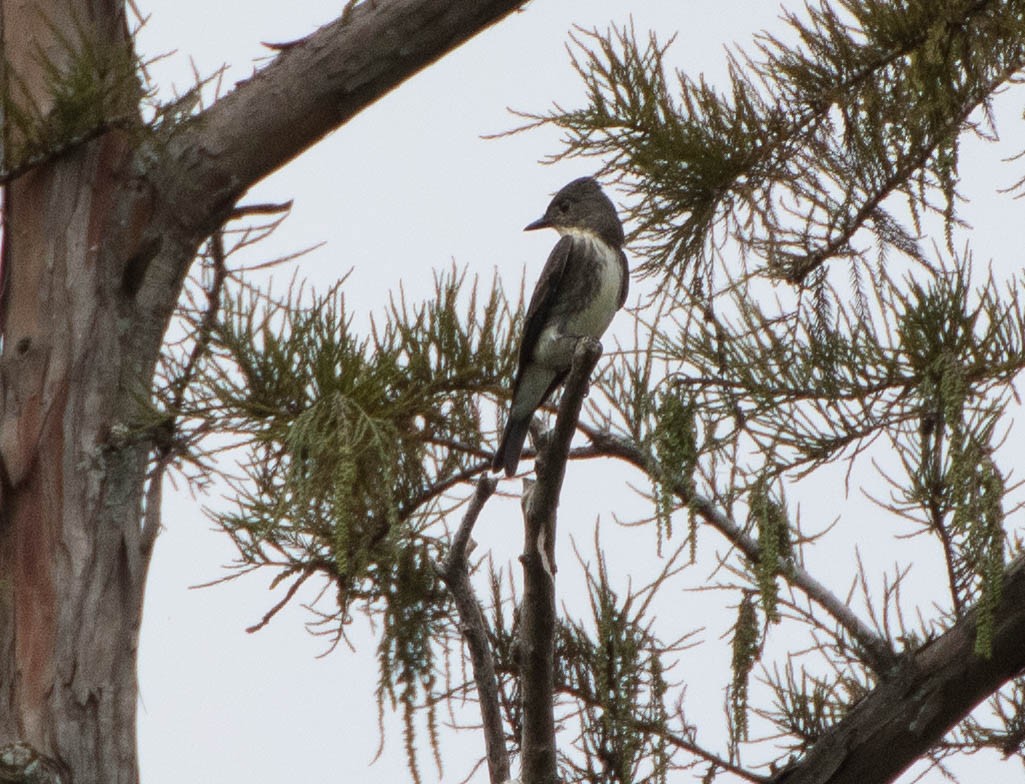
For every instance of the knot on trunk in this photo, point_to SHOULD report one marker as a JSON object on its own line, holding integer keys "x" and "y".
{"x": 22, "y": 764}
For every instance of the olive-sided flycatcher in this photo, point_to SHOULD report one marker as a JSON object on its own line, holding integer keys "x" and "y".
{"x": 583, "y": 284}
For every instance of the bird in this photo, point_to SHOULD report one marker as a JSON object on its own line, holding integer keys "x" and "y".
{"x": 583, "y": 283}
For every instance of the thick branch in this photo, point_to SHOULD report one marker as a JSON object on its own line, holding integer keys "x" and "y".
{"x": 537, "y": 610}
{"x": 909, "y": 713}
{"x": 310, "y": 89}
{"x": 454, "y": 574}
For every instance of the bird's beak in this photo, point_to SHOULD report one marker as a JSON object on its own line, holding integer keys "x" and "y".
{"x": 540, "y": 223}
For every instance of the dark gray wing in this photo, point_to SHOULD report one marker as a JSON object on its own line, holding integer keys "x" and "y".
{"x": 624, "y": 288}
{"x": 541, "y": 301}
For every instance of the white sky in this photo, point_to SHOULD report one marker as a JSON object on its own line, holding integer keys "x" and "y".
{"x": 403, "y": 190}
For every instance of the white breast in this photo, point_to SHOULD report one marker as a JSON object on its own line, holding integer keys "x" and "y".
{"x": 557, "y": 340}
{"x": 595, "y": 319}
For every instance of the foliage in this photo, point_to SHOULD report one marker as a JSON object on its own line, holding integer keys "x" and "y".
{"x": 835, "y": 151}
{"x": 616, "y": 676}
{"x": 795, "y": 333}
{"x": 676, "y": 447}
{"x": 801, "y": 150}
{"x": 746, "y": 649}
{"x": 349, "y": 445}
{"x": 91, "y": 87}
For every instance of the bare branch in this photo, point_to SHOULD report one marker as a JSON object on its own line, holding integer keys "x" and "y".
{"x": 877, "y": 651}
{"x": 455, "y": 575}
{"x": 537, "y": 610}
{"x": 280, "y": 605}
{"x": 911, "y": 711}
{"x": 311, "y": 88}
{"x": 264, "y": 208}
{"x": 206, "y": 324}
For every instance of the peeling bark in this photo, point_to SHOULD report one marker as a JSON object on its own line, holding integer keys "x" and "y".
{"x": 70, "y": 603}
{"x": 21, "y": 764}
{"x": 71, "y": 593}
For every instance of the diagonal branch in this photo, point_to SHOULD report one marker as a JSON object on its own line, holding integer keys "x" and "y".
{"x": 919, "y": 698}
{"x": 877, "y": 651}
{"x": 911, "y": 711}
{"x": 453, "y": 572}
{"x": 311, "y": 88}
{"x": 683, "y": 740}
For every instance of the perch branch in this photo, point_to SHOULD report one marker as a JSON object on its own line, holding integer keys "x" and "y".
{"x": 537, "y": 610}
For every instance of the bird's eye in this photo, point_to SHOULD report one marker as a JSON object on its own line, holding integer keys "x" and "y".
{"x": 563, "y": 207}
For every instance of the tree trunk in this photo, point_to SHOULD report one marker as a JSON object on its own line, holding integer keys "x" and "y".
{"x": 98, "y": 236}
{"x": 72, "y": 556}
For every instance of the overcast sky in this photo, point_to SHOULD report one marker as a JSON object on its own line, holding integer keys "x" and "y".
{"x": 403, "y": 190}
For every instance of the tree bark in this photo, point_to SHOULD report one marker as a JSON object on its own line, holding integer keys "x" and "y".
{"x": 69, "y": 533}
{"x": 538, "y": 619}
{"x": 71, "y": 569}
{"x": 97, "y": 241}
{"x": 910, "y": 711}
{"x": 454, "y": 571}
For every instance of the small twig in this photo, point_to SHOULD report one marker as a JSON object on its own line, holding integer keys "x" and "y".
{"x": 284, "y": 46}
{"x": 206, "y": 324}
{"x": 697, "y": 750}
{"x": 661, "y": 731}
{"x": 269, "y": 615}
{"x": 537, "y": 609}
{"x": 268, "y": 208}
{"x": 167, "y": 447}
{"x": 454, "y": 573}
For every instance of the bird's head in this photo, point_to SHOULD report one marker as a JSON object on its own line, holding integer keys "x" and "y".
{"x": 582, "y": 206}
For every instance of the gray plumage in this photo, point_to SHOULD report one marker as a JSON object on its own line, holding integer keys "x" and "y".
{"x": 583, "y": 284}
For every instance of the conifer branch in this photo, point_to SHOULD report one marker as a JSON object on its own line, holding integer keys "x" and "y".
{"x": 789, "y": 161}
{"x": 930, "y": 692}
{"x": 797, "y": 270}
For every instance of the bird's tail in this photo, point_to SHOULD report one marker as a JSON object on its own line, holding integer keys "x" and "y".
{"x": 511, "y": 446}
